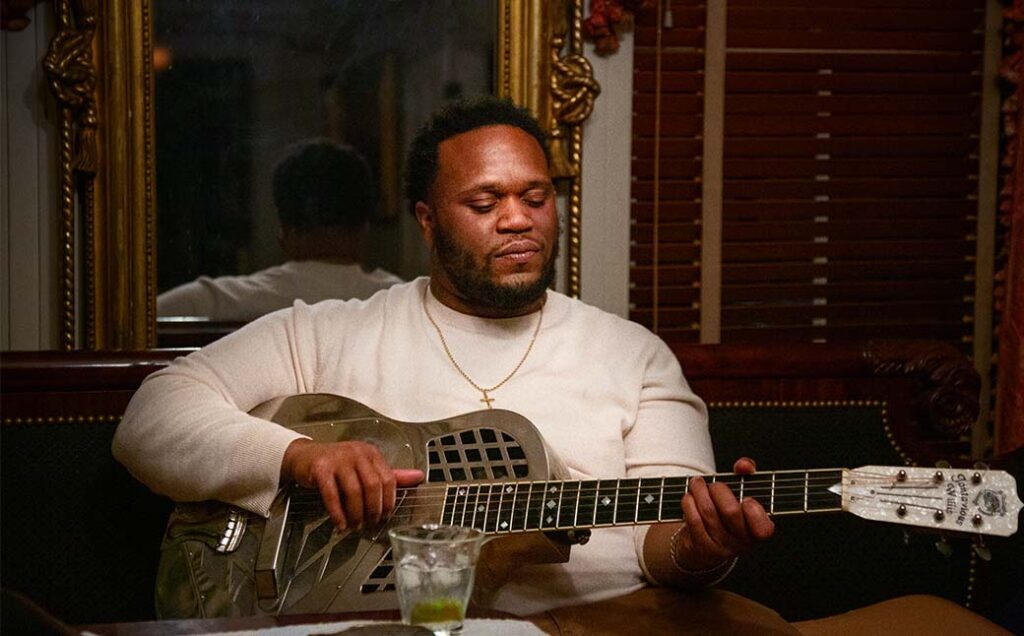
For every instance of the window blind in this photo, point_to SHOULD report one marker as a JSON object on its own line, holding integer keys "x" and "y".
{"x": 850, "y": 163}
{"x": 667, "y": 150}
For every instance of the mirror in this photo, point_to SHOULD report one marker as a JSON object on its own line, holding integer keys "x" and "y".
{"x": 112, "y": 68}
{"x": 238, "y": 85}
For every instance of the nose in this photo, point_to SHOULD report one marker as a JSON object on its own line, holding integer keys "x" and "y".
{"x": 516, "y": 216}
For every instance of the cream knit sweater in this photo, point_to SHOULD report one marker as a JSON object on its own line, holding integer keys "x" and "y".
{"x": 253, "y": 295}
{"x": 607, "y": 395}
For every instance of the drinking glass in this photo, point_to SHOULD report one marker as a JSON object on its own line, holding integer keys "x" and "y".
{"x": 434, "y": 568}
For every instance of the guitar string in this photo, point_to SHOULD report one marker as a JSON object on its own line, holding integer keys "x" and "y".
{"x": 763, "y": 485}
{"x": 434, "y": 495}
{"x": 753, "y": 485}
{"x": 782, "y": 487}
{"x": 496, "y": 491}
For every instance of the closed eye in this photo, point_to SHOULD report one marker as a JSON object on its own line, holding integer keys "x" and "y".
{"x": 536, "y": 198}
{"x": 483, "y": 205}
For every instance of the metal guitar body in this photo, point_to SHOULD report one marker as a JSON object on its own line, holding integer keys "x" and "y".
{"x": 218, "y": 560}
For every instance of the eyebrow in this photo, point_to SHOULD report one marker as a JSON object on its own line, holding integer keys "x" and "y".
{"x": 493, "y": 187}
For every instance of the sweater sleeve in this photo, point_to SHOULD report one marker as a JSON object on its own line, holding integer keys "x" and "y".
{"x": 670, "y": 435}
{"x": 190, "y": 299}
{"x": 186, "y": 433}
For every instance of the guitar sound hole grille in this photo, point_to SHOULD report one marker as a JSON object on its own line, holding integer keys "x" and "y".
{"x": 478, "y": 454}
{"x": 382, "y": 578}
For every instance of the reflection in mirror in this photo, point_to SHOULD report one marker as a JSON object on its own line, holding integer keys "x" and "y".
{"x": 240, "y": 82}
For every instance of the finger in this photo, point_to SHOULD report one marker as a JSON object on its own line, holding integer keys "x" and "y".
{"x": 389, "y": 497}
{"x": 706, "y": 511}
{"x": 351, "y": 496}
{"x": 384, "y": 479}
{"x": 706, "y": 508}
{"x": 332, "y": 502}
{"x": 744, "y": 466}
{"x": 405, "y": 477}
{"x": 757, "y": 519}
{"x": 700, "y": 542}
{"x": 371, "y": 472}
{"x": 731, "y": 517}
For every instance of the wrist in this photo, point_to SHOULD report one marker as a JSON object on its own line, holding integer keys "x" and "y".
{"x": 700, "y": 573}
{"x": 290, "y": 459}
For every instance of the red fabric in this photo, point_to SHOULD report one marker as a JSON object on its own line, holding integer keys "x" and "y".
{"x": 605, "y": 15}
{"x": 1009, "y": 299}
{"x": 1010, "y": 382}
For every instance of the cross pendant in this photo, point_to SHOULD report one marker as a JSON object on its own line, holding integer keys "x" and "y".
{"x": 486, "y": 399}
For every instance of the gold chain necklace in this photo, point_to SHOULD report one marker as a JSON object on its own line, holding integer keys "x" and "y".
{"x": 487, "y": 399}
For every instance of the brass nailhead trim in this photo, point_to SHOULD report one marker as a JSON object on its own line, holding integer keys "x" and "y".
{"x": 62, "y": 419}
{"x": 796, "y": 404}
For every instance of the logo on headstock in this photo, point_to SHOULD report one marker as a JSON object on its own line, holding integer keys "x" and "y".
{"x": 991, "y": 503}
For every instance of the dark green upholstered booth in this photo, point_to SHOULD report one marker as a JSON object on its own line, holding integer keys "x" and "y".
{"x": 821, "y": 564}
{"x": 80, "y": 537}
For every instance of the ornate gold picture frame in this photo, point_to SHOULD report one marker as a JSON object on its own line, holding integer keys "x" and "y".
{"x": 99, "y": 69}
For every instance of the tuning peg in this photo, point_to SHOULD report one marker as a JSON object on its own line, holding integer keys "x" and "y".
{"x": 982, "y": 550}
{"x": 943, "y": 464}
{"x": 943, "y": 547}
{"x": 906, "y": 537}
{"x": 981, "y": 466}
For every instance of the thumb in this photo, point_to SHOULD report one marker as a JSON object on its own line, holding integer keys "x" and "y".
{"x": 407, "y": 476}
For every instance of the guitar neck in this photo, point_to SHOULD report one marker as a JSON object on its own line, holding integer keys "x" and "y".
{"x": 524, "y": 506}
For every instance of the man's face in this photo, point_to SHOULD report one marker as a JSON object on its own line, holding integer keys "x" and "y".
{"x": 491, "y": 222}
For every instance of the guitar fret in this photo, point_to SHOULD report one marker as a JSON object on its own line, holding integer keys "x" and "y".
{"x": 448, "y": 509}
{"x": 661, "y": 507}
{"x": 481, "y": 508}
{"x": 499, "y": 490}
{"x": 648, "y": 500}
{"x": 467, "y": 503}
{"x": 487, "y": 508}
{"x": 535, "y": 514}
{"x": 526, "y": 506}
{"x": 604, "y": 510}
{"x": 625, "y": 511}
{"x": 567, "y": 501}
{"x": 496, "y": 507}
{"x": 549, "y": 513}
{"x": 501, "y": 522}
{"x": 807, "y": 478}
{"x": 514, "y": 506}
{"x": 470, "y": 505}
{"x": 576, "y": 508}
{"x": 674, "y": 489}
{"x": 586, "y": 509}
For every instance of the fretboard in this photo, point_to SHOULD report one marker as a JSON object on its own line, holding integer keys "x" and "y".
{"x": 523, "y": 506}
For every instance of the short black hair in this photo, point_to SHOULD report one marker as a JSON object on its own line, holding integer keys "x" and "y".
{"x": 454, "y": 119}
{"x": 322, "y": 183}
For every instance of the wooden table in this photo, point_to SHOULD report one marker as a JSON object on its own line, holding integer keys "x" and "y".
{"x": 211, "y": 625}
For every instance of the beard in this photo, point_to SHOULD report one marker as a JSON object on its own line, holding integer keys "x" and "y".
{"x": 476, "y": 280}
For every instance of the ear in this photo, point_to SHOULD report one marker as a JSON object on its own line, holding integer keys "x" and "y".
{"x": 425, "y": 217}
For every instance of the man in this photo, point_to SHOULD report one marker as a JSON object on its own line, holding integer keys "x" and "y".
{"x": 484, "y": 330}
{"x": 324, "y": 195}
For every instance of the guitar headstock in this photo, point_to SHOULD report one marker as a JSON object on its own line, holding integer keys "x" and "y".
{"x": 948, "y": 499}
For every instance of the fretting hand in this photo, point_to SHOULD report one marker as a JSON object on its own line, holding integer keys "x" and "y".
{"x": 357, "y": 484}
{"x": 717, "y": 525}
